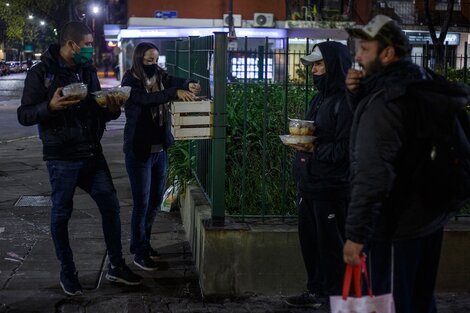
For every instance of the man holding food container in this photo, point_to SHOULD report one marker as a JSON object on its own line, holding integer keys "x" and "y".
{"x": 321, "y": 171}
{"x": 57, "y": 97}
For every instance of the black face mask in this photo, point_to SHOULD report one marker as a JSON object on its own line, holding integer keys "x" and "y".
{"x": 150, "y": 69}
{"x": 319, "y": 81}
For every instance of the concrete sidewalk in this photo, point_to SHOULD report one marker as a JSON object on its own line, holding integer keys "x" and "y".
{"x": 29, "y": 270}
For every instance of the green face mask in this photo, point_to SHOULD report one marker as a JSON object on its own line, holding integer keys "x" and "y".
{"x": 83, "y": 56}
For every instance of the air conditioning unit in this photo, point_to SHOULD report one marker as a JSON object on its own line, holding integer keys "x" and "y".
{"x": 263, "y": 20}
{"x": 237, "y": 20}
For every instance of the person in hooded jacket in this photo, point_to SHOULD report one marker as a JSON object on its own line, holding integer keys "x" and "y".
{"x": 389, "y": 219}
{"x": 147, "y": 137}
{"x": 321, "y": 174}
{"x": 70, "y": 131}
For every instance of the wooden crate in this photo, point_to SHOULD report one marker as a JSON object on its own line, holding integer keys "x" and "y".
{"x": 192, "y": 119}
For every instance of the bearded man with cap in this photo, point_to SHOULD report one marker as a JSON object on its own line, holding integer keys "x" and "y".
{"x": 387, "y": 216}
{"x": 321, "y": 175}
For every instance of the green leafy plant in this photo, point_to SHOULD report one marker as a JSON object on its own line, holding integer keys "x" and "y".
{"x": 258, "y": 166}
{"x": 179, "y": 174}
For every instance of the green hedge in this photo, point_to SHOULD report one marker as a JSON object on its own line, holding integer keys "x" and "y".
{"x": 265, "y": 111}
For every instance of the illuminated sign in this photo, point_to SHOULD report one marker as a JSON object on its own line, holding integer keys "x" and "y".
{"x": 186, "y": 32}
{"x": 165, "y": 14}
{"x": 416, "y": 37}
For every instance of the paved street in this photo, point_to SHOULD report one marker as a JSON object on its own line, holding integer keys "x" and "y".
{"x": 29, "y": 279}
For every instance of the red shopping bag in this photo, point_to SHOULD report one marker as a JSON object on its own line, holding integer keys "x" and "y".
{"x": 359, "y": 303}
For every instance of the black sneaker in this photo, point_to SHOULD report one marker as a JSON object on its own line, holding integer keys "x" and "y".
{"x": 123, "y": 274}
{"x": 306, "y": 300}
{"x": 146, "y": 263}
{"x": 70, "y": 284}
{"x": 153, "y": 254}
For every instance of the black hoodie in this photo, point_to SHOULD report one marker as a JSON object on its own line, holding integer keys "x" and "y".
{"x": 325, "y": 172}
{"x": 71, "y": 133}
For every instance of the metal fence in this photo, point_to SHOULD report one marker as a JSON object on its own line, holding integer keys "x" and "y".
{"x": 204, "y": 60}
{"x": 245, "y": 170}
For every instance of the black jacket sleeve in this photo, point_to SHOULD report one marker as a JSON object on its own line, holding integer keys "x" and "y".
{"x": 376, "y": 142}
{"x": 34, "y": 102}
{"x": 141, "y": 96}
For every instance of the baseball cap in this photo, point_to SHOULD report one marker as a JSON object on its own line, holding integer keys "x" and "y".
{"x": 385, "y": 30}
{"x": 371, "y": 30}
{"x": 312, "y": 57}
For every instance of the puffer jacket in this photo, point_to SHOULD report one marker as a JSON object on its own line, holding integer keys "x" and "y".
{"x": 141, "y": 130}
{"x": 325, "y": 172}
{"x": 382, "y": 206}
{"x": 74, "y": 132}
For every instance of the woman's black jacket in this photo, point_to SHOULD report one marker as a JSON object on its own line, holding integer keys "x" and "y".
{"x": 142, "y": 130}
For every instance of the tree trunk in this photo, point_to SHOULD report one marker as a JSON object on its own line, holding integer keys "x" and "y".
{"x": 438, "y": 42}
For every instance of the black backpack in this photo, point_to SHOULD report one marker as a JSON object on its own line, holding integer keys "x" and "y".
{"x": 437, "y": 154}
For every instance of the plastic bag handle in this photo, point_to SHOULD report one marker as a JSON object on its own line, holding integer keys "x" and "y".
{"x": 353, "y": 273}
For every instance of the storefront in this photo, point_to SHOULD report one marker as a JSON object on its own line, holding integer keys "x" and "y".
{"x": 423, "y": 48}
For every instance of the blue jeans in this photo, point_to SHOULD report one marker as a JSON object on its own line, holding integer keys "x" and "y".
{"x": 93, "y": 176}
{"x": 147, "y": 179}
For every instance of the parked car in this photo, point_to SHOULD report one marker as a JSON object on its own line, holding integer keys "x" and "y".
{"x": 4, "y": 68}
{"x": 15, "y": 66}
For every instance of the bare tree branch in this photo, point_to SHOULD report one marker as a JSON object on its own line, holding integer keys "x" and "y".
{"x": 445, "y": 27}
{"x": 432, "y": 30}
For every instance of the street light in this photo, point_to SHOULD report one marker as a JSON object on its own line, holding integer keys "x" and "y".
{"x": 95, "y": 9}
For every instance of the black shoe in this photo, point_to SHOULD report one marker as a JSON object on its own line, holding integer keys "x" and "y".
{"x": 153, "y": 254}
{"x": 146, "y": 263}
{"x": 123, "y": 274}
{"x": 306, "y": 300}
{"x": 70, "y": 284}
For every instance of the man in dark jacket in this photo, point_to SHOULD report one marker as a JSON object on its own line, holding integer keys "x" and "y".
{"x": 71, "y": 131}
{"x": 322, "y": 176}
{"x": 387, "y": 217}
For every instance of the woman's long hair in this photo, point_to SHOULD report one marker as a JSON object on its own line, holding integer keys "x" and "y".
{"x": 138, "y": 59}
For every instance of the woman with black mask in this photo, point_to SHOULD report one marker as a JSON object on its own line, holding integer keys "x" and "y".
{"x": 147, "y": 136}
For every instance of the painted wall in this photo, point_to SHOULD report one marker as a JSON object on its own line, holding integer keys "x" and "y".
{"x": 207, "y": 9}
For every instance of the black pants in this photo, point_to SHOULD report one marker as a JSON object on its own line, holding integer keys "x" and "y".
{"x": 416, "y": 262}
{"x": 321, "y": 234}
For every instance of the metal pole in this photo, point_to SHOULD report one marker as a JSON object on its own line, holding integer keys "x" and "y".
{"x": 245, "y": 126}
{"x": 284, "y": 152}
{"x": 231, "y": 25}
{"x": 465, "y": 56}
{"x": 307, "y": 75}
{"x": 446, "y": 47}
{"x": 219, "y": 139}
{"x": 265, "y": 126}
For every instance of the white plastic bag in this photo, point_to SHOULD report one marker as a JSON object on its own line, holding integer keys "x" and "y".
{"x": 168, "y": 199}
{"x": 364, "y": 304}
{"x": 359, "y": 303}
